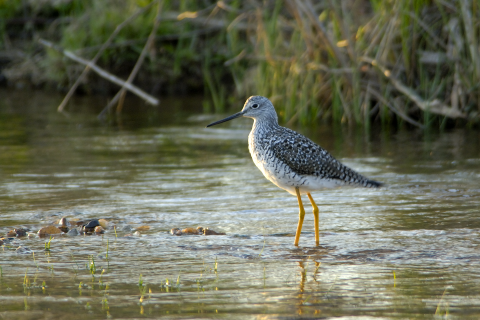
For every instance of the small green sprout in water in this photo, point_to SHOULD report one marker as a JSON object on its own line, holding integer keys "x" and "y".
{"x": 34, "y": 261}
{"x": 93, "y": 268}
{"x": 51, "y": 270}
{"x": 47, "y": 244}
{"x": 167, "y": 285}
{"x": 105, "y": 303}
{"x": 264, "y": 275}
{"x": 306, "y": 299}
{"x": 142, "y": 287}
{"x": 1, "y": 273}
{"x": 264, "y": 241}
{"x": 80, "y": 288}
{"x": 35, "y": 279}
{"x": 216, "y": 265}
{"x": 106, "y": 257}
{"x": 317, "y": 266}
{"x": 88, "y": 306}
{"x": 438, "y": 311}
{"x": 44, "y": 286}
{"x": 178, "y": 281}
{"x": 394, "y": 279}
{"x": 26, "y": 281}
{"x": 105, "y": 306}
{"x": 100, "y": 282}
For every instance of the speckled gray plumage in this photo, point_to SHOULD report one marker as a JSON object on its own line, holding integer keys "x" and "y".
{"x": 305, "y": 157}
{"x": 289, "y": 159}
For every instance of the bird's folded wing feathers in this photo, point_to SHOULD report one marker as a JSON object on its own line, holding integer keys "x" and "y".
{"x": 306, "y": 157}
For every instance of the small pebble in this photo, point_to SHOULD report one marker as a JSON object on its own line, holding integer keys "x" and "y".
{"x": 137, "y": 234}
{"x": 176, "y": 232}
{"x": 127, "y": 228}
{"x": 103, "y": 223}
{"x": 92, "y": 224}
{"x": 63, "y": 222}
{"x": 20, "y": 232}
{"x": 99, "y": 230}
{"x": 73, "y": 232}
{"x": 143, "y": 228}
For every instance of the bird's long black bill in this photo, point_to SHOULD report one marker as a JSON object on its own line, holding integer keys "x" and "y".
{"x": 233, "y": 116}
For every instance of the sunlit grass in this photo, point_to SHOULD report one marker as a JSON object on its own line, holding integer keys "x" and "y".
{"x": 402, "y": 63}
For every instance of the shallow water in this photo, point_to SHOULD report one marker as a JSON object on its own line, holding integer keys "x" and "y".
{"x": 410, "y": 250}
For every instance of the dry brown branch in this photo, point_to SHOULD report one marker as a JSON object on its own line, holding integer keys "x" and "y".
{"x": 99, "y": 54}
{"x": 434, "y": 106}
{"x": 395, "y": 110}
{"x": 102, "y": 72}
{"x": 120, "y": 96}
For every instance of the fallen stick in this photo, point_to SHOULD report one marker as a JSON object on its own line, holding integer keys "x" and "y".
{"x": 120, "y": 96}
{"x": 434, "y": 106}
{"x": 98, "y": 55}
{"x": 148, "y": 98}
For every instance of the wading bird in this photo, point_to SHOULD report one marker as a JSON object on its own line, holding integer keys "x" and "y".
{"x": 291, "y": 161}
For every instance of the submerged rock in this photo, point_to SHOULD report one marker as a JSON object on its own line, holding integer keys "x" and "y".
{"x": 208, "y": 232}
{"x": 45, "y": 231}
{"x": 21, "y": 232}
{"x": 63, "y": 224}
{"x": 73, "y": 232}
{"x": 99, "y": 230}
{"x": 176, "y": 232}
{"x": 127, "y": 228}
{"x": 23, "y": 250}
{"x": 17, "y": 232}
{"x": 103, "y": 223}
{"x": 90, "y": 226}
{"x": 5, "y": 241}
{"x": 197, "y": 231}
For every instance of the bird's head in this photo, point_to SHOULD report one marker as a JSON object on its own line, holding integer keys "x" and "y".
{"x": 256, "y": 107}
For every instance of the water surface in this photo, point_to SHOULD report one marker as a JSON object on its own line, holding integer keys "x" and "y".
{"x": 410, "y": 250}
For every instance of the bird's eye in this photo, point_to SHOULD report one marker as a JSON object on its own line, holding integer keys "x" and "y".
{"x": 255, "y": 106}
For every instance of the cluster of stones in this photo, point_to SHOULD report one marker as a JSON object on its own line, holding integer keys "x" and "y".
{"x": 197, "y": 231}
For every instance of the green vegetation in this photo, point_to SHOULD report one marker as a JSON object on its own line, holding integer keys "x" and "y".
{"x": 405, "y": 62}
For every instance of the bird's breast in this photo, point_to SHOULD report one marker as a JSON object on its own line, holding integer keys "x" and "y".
{"x": 273, "y": 168}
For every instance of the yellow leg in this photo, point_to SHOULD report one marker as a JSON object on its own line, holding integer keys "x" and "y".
{"x": 300, "y": 218}
{"x": 315, "y": 216}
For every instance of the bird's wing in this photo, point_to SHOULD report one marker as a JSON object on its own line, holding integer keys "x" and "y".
{"x": 306, "y": 157}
